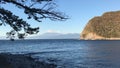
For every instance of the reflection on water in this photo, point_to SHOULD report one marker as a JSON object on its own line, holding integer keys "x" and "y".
{"x": 69, "y": 53}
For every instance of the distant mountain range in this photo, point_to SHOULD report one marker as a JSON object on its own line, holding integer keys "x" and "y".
{"x": 2, "y": 37}
{"x": 56, "y": 36}
{"x": 52, "y": 36}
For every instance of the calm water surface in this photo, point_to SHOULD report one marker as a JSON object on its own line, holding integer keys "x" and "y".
{"x": 68, "y": 53}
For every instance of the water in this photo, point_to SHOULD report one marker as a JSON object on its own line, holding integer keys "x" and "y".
{"x": 68, "y": 53}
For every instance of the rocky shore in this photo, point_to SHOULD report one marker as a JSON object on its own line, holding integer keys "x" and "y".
{"x": 21, "y": 61}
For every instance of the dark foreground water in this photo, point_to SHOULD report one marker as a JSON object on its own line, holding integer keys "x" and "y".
{"x": 68, "y": 53}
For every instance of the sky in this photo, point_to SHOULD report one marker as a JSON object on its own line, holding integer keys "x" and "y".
{"x": 79, "y": 12}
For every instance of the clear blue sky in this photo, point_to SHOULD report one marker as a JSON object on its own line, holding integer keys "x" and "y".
{"x": 79, "y": 11}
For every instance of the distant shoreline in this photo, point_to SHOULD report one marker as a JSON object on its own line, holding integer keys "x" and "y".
{"x": 103, "y": 39}
{"x": 39, "y": 39}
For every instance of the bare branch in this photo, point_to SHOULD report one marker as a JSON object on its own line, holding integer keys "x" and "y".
{"x": 45, "y": 11}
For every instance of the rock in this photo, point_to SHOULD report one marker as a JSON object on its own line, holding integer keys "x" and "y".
{"x": 22, "y": 61}
{"x": 106, "y": 26}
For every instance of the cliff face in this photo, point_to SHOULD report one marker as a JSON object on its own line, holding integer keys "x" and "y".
{"x": 106, "y": 26}
{"x": 91, "y": 36}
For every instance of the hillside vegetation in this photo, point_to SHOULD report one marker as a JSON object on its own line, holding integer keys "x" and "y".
{"x": 105, "y": 26}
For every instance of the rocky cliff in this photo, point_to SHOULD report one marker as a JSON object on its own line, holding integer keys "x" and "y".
{"x": 106, "y": 26}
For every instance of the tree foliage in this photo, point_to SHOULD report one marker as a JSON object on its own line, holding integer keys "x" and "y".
{"x": 34, "y": 9}
{"x": 107, "y": 25}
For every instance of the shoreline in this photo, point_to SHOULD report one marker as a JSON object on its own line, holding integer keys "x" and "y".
{"x": 8, "y": 60}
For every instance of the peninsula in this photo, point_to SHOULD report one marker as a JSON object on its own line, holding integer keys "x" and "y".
{"x": 105, "y": 27}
